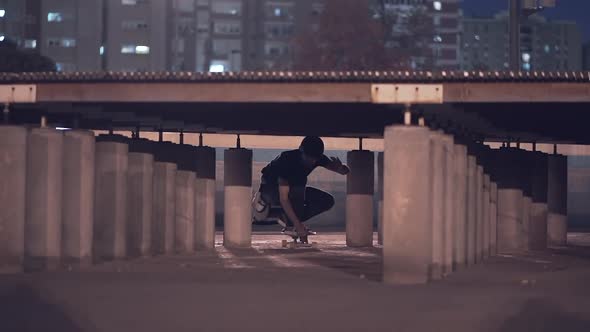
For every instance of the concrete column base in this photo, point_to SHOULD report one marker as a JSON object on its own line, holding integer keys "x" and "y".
{"x": 110, "y": 205}
{"x": 407, "y": 214}
{"x": 556, "y": 230}
{"x": 185, "y": 211}
{"x": 449, "y": 231}
{"x": 13, "y": 169}
{"x": 526, "y": 222}
{"x": 380, "y": 222}
{"x": 205, "y": 214}
{"x": 237, "y": 225}
{"x": 43, "y": 226}
{"x": 78, "y": 195}
{"x": 360, "y": 234}
{"x": 479, "y": 226}
{"x": 471, "y": 229}
{"x": 460, "y": 207}
{"x": 140, "y": 183}
{"x": 439, "y": 170}
{"x": 486, "y": 217}
{"x": 493, "y": 219}
{"x": 510, "y": 225}
{"x": 164, "y": 208}
{"x": 538, "y": 226}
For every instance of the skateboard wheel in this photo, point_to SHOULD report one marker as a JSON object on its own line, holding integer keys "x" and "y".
{"x": 284, "y": 243}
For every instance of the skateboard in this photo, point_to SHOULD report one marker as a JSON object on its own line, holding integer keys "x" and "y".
{"x": 298, "y": 241}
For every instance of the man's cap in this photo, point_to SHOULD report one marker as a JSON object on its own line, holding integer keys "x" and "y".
{"x": 312, "y": 146}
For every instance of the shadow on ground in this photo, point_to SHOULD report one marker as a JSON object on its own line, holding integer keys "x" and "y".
{"x": 542, "y": 315}
{"x": 23, "y": 309}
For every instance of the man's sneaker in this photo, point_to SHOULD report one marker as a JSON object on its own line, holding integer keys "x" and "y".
{"x": 290, "y": 231}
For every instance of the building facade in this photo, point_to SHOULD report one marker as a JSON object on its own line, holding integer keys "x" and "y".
{"x": 19, "y": 22}
{"x": 545, "y": 45}
{"x": 586, "y": 57}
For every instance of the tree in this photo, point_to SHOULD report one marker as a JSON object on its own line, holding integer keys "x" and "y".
{"x": 13, "y": 59}
{"x": 348, "y": 36}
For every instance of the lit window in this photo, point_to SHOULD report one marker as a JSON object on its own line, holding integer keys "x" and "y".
{"x": 477, "y": 37}
{"x": 547, "y": 48}
{"x": 277, "y": 11}
{"x": 437, "y": 5}
{"x": 30, "y": 43}
{"x": 526, "y": 66}
{"x": 437, "y": 39}
{"x": 68, "y": 42}
{"x": 141, "y": 49}
{"x": 1, "y": 38}
{"x": 216, "y": 68}
{"x": 101, "y": 50}
{"x": 129, "y": 2}
{"x": 55, "y": 17}
{"x": 128, "y": 49}
{"x": 526, "y": 57}
{"x": 2, "y": 12}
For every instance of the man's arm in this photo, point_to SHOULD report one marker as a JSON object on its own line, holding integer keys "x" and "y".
{"x": 288, "y": 208}
{"x": 335, "y": 165}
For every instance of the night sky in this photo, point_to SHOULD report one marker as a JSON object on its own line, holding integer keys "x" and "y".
{"x": 575, "y": 10}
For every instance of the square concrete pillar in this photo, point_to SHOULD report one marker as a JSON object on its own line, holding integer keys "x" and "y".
{"x": 78, "y": 197}
{"x": 493, "y": 219}
{"x": 539, "y": 208}
{"x": 439, "y": 173}
{"x": 380, "y": 158}
{"x": 407, "y": 206}
{"x": 205, "y": 198}
{"x": 460, "y": 206}
{"x": 486, "y": 216}
{"x": 13, "y": 170}
{"x": 140, "y": 184}
{"x": 44, "y": 183}
{"x": 479, "y": 226}
{"x": 237, "y": 232}
{"x": 164, "y": 198}
{"x": 449, "y": 197}
{"x": 360, "y": 185}
{"x": 471, "y": 220}
{"x": 110, "y": 198}
{"x": 510, "y": 225}
{"x": 557, "y": 200}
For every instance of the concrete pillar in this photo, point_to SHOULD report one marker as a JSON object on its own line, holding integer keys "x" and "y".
{"x": 510, "y": 228}
{"x": 557, "y": 200}
{"x": 527, "y": 190}
{"x": 78, "y": 196}
{"x": 185, "y": 200}
{"x": 479, "y": 180}
{"x": 493, "y": 218}
{"x": 407, "y": 214}
{"x": 438, "y": 160}
{"x": 13, "y": 169}
{"x": 360, "y": 186}
{"x": 164, "y": 202}
{"x": 205, "y": 198}
{"x": 460, "y": 206}
{"x": 237, "y": 232}
{"x": 449, "y": 232}
{"x": 471, "y": 221}
{"x": 486, "y": 216}
{"x": 110, "y": 197}
{"x": 380, "y": 157}
{"x": 539, "y": 207}
{"x": 44, "y": 182}
{"x": 140, "y": 182}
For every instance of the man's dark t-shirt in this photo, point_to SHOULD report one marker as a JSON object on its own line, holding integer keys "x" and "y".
{"x": 289, "y": 166}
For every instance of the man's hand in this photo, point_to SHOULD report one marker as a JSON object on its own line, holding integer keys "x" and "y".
{"x": 337, "y": 166}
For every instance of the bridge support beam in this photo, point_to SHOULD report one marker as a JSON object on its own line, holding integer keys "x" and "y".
{"x": 359, "y": 198}
{"x": 205, "y": 198}
{"x": 13, "y": 169}
{"x": 140, "y": 183}
{"x": 78, "y": 196}
{"x": 407, "y": 208}
{"x": 557, "y": 200}
{"x": 110, "y": 208}
{"x": 238, "y": 198}
{"x": 43, "y": 226}
{"x": 460, "y": 206}
{"x": 539, "y": 208}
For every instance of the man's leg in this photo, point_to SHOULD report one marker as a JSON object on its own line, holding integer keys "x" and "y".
{"x": 316, "y": 202}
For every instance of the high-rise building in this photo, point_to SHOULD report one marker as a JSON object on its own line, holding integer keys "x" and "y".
{"x": 586, "y": 57}
{"x": 545, "y": 45}
{"x": 434, "y": 26}
{"x": 19, "y": 22}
